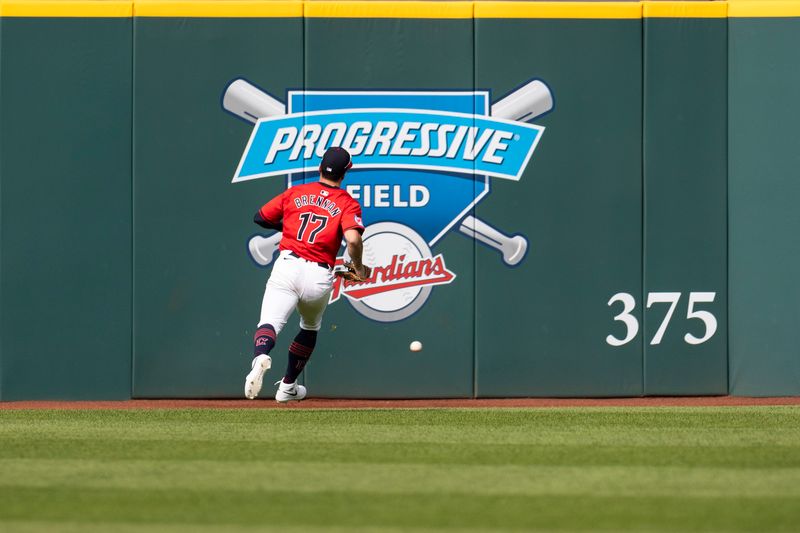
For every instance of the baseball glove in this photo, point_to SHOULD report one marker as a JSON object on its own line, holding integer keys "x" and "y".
{"x": 348, "y": 272}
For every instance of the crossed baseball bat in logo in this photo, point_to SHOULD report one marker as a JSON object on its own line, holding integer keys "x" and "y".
{"x": 532, "y": 100}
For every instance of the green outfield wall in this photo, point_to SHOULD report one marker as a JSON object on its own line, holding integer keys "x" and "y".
{"x": 588, "y": 199}
{"x": 764, "y": 158}
{"x": 541, "y": 326}
{"x": 685, "y": 205}
{"x": 191, "y": 271}
{"x": 65, "y": 207}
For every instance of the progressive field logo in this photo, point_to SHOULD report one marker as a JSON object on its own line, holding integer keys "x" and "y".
{"x": 422, "y": 161}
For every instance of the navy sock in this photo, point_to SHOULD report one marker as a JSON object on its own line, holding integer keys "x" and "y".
{"x": 263, "y": 340}
{"x": 299, "y": 353}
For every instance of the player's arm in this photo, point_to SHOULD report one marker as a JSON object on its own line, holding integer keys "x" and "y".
{"x": 352, "y": 228}
{"x": 270, "y": 216}
{"x": 355, "y": 248}
{"x": 268, "y": 224}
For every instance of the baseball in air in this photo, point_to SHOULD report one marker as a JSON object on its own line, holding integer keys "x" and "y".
{"x": 415, "y": 346}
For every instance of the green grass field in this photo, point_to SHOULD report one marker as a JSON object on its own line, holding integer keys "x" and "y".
{"x": 611, "y": 469}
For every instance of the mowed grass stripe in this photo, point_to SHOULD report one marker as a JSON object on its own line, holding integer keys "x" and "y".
{"x": 407, "y": 511}
{"x": 162, "y": 527}
{"x": 316, "y": 477}
{"x": 576, "y": 469}
{"x": 641, "y": 427}
{"x": 642, "y": 417}
{"x": 524, "y": 435}
{"x": 466, "y": 453}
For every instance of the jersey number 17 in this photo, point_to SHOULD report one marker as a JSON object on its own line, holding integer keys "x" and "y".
{"x": 310, "y": 219}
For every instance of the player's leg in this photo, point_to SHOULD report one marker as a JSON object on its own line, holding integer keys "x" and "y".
{"x": 280, "y": 300}
{"x": 299, "y": 353}
{"x": 311, "y": 307}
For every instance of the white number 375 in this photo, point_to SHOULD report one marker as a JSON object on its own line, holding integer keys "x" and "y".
{"x": 671, "y": 298}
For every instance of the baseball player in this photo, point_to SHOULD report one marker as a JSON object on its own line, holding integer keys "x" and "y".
{"x": 313, "y": 218}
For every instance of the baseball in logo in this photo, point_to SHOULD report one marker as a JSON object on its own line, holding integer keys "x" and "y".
{"x": 422, "y": 161}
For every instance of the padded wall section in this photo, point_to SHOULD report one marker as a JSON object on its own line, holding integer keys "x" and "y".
{"x": 197, "y": 293}
{"x": 764, "y": 157}
{"x": 365, "y": 353}
{"x": 541, "y": 327}
{"x": 685, "y": 206}
{"x": 65, "y": 209}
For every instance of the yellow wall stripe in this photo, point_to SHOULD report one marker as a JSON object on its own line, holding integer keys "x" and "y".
{"x": 764, "y": 9}
{"x": 558, "y": 10}
{"x": 66, "y": 8}
{"x": 217, "y": 8}
{"x": 685, "y": 9}
{"x": 379, "y": 9}
{"x": 430, "y": 9}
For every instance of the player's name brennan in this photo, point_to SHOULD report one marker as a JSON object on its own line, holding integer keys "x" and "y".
{"x": 391, "y": 138}
{"x": 320, "y": 201}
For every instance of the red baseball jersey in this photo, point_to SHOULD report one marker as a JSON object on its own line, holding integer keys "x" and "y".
{"x": 315, "y": 217}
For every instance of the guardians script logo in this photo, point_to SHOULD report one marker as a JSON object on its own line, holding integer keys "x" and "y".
{"x": 422, "y": 161}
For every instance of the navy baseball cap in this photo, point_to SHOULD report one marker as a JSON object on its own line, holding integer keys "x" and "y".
{"x": 335, "y": 162}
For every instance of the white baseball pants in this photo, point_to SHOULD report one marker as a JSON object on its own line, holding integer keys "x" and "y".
{"x": 296, "y": 283}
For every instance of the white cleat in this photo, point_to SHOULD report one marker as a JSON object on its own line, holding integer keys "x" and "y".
{"x": 253, "y": 381}
{"x": 289, "y": 392}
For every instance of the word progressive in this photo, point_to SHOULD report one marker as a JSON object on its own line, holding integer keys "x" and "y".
{"x": 403, "y": 139}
